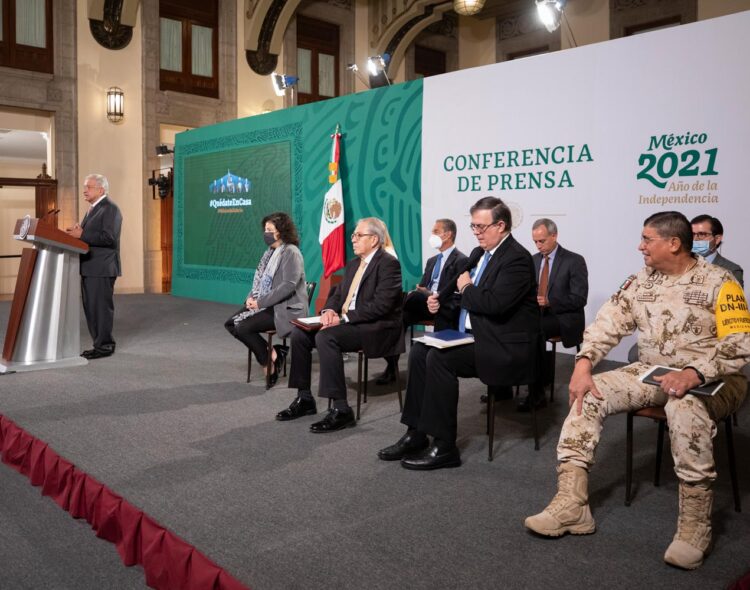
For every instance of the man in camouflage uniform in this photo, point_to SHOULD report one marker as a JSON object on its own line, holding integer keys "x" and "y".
{"x": 672, "y": 304}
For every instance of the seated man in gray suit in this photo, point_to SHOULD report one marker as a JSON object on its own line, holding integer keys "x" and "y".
{"x": 436, "y": 274}
{"x": 708, "y": 234}
{"x": 563, "y": 289}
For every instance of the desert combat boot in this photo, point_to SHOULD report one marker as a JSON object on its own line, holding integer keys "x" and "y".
{"x": 692, "y": 540}
{"x": 569, "y": 510}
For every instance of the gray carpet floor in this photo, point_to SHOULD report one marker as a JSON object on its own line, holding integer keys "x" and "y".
{"x": 169, "y": 423}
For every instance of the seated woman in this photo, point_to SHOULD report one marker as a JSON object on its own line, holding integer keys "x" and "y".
{"x": 278, "y": 294}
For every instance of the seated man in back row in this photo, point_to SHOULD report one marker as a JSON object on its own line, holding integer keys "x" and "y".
{"x": 364, "y": 313}
{"x": 437, "y": 271}
{"x": 672, "y": 303}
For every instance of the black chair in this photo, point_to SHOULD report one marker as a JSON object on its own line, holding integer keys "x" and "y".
{"x": 554, "y": 342}
{"x": 657, "y": 413}
{"x": 491, "y": 425}
{"x": 310, "y": 288}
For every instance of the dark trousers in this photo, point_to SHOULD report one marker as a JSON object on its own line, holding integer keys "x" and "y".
{"x": 248, "y": 331}
{"x": 331, "y": 343}
{"x": 97, "y": 294}
{"x": 431, "y": 403}
{"x": 550, "y": 329}
{"x": 415, "y": 311}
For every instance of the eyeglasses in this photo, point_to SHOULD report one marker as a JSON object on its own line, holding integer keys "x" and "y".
{"x": 647, "y": 240}
{"x": 357, "y": 235}
{"x": 702, "y": 235}
{"x": 480, "y": 228}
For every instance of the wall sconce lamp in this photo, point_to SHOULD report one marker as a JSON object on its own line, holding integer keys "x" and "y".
{"x": 163, "y": 150}
{"x": 115, "y": 104}
{"x": 467, "y": 7}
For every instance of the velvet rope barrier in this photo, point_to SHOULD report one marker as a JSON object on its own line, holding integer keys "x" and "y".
{"x": 169, "y": 562}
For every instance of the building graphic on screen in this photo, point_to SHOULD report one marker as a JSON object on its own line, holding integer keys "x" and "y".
{"x": 230, "y": 183}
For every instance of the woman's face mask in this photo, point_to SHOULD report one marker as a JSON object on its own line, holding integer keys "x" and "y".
{"x": 269, "y": 237}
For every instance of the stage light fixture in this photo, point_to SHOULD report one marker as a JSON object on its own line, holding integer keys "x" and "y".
{"x": 115, "y": 104}
{"x": 550, "y": 13}
{"x": 355, "y": 68}
{"x": 467, "y": 7}
{"x": 281, "y": 82}
{"x": 376, "y": 67}
{"x": 163, "y": 150}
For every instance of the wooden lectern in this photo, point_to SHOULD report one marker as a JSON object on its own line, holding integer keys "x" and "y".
{"x": 44, "y": 325}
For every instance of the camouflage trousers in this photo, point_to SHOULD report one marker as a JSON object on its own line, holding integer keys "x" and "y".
{"x": 691, "y": 419}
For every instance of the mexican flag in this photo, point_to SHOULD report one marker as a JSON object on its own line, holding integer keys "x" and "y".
{"x": 332, "y": 217}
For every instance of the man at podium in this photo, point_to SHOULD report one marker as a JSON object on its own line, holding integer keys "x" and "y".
{"x": 100, "y": 266}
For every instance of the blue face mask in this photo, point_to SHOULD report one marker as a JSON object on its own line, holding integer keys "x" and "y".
{"x": 702, "y": 247}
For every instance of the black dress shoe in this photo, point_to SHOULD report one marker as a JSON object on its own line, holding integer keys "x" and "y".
{"x": 96, "y": 354}
{"x": 434, "y": 457}
{"x": 298, "y": 408}
{"x": 386, "y": 377}
{"x": 525, "y": 404}
{"x": 412, "y": 442}
{"x": 334, "y": 420}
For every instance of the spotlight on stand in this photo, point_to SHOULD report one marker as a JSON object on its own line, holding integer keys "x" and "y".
{"x": 376, "y": 67}
{"x": 282, "y": 82}
{"x": 162, "y": 183}
{"x": 355, "y": 68}
{"x": 550, "y": 13}
{"x": 163, "y": 150}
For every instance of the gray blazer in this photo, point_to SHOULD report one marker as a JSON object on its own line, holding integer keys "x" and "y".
{"x": 732, "y": 267}
{"x": 288, "y": 295}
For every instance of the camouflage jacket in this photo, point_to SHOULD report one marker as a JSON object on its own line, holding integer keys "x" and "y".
{"x": 676, "y": 322}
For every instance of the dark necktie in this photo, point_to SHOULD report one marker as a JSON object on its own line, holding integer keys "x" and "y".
{"x": 544, "y": 278}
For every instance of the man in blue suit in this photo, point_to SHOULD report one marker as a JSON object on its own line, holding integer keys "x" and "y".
{"x": 563, "y": 289}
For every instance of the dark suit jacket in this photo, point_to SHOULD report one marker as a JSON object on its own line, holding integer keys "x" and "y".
{"x": 447, "y": 314}
{"x": 101, "y": 231}
{"x": 378, "y": 306}
{"x": 732, "y": 267}
{"x": 567, "y": 292}
{"x": 505, "y": 317}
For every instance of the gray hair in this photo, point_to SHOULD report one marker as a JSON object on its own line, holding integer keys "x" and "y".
{"x": 376, "y": 227}
{"x": 101, "y": 181}
{"x": 549, "y": 225}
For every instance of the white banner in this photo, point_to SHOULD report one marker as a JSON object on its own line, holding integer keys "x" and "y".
{"x": 598, "y": 138}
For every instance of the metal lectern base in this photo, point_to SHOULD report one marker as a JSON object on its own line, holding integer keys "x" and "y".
{"x": 16, "y": 367}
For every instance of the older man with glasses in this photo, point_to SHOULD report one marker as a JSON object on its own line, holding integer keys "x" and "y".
{"x": 498, "y": 304}
{"x": 363, "y": 313}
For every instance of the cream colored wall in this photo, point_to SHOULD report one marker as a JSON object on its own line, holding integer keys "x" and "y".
{"x": 361, "y": 41}
{"x": 255, "y": 93}
{"x": 589, "y": 21}
{"x": 115, "y": 150}
{"x": 17, "y": 201}
{"x": 714, "y": 8}
{"x": 476, "y": 42}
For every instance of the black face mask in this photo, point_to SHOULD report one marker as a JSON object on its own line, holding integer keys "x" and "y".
{"x": 269, "y": 237}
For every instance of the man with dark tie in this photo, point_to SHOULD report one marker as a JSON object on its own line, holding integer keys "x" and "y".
{"x": 437, "y": 271}
{"x": 562, "y": 295}
{"x": 498, "y": 306}
{"x": 100, "y": 266}
{"x": 364, "y": 313}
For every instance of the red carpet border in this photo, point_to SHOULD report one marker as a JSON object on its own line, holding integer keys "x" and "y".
{"x": 168, "y": 562}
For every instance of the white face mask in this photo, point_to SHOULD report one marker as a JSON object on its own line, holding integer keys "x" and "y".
{"x": 435, "y": 241}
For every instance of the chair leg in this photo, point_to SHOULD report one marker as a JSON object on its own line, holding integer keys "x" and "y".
{"x": 283, "y": 343}
{"x": 269, "y": 363}
{"x": 535, "y": 426}
{"x": 629, "y": 459}
{"x": 359, "y": 382}
{"x": 398, "y": 385}
{"x": 491, "y": 426}
{"x": 732, "y": 463}
{"x": 552, "y": 372}
{"x": 249, "y": 363}
{"x": 364, "y": 383}
{"x": 659, "y": 451}
{"x": 487, "y": 428}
